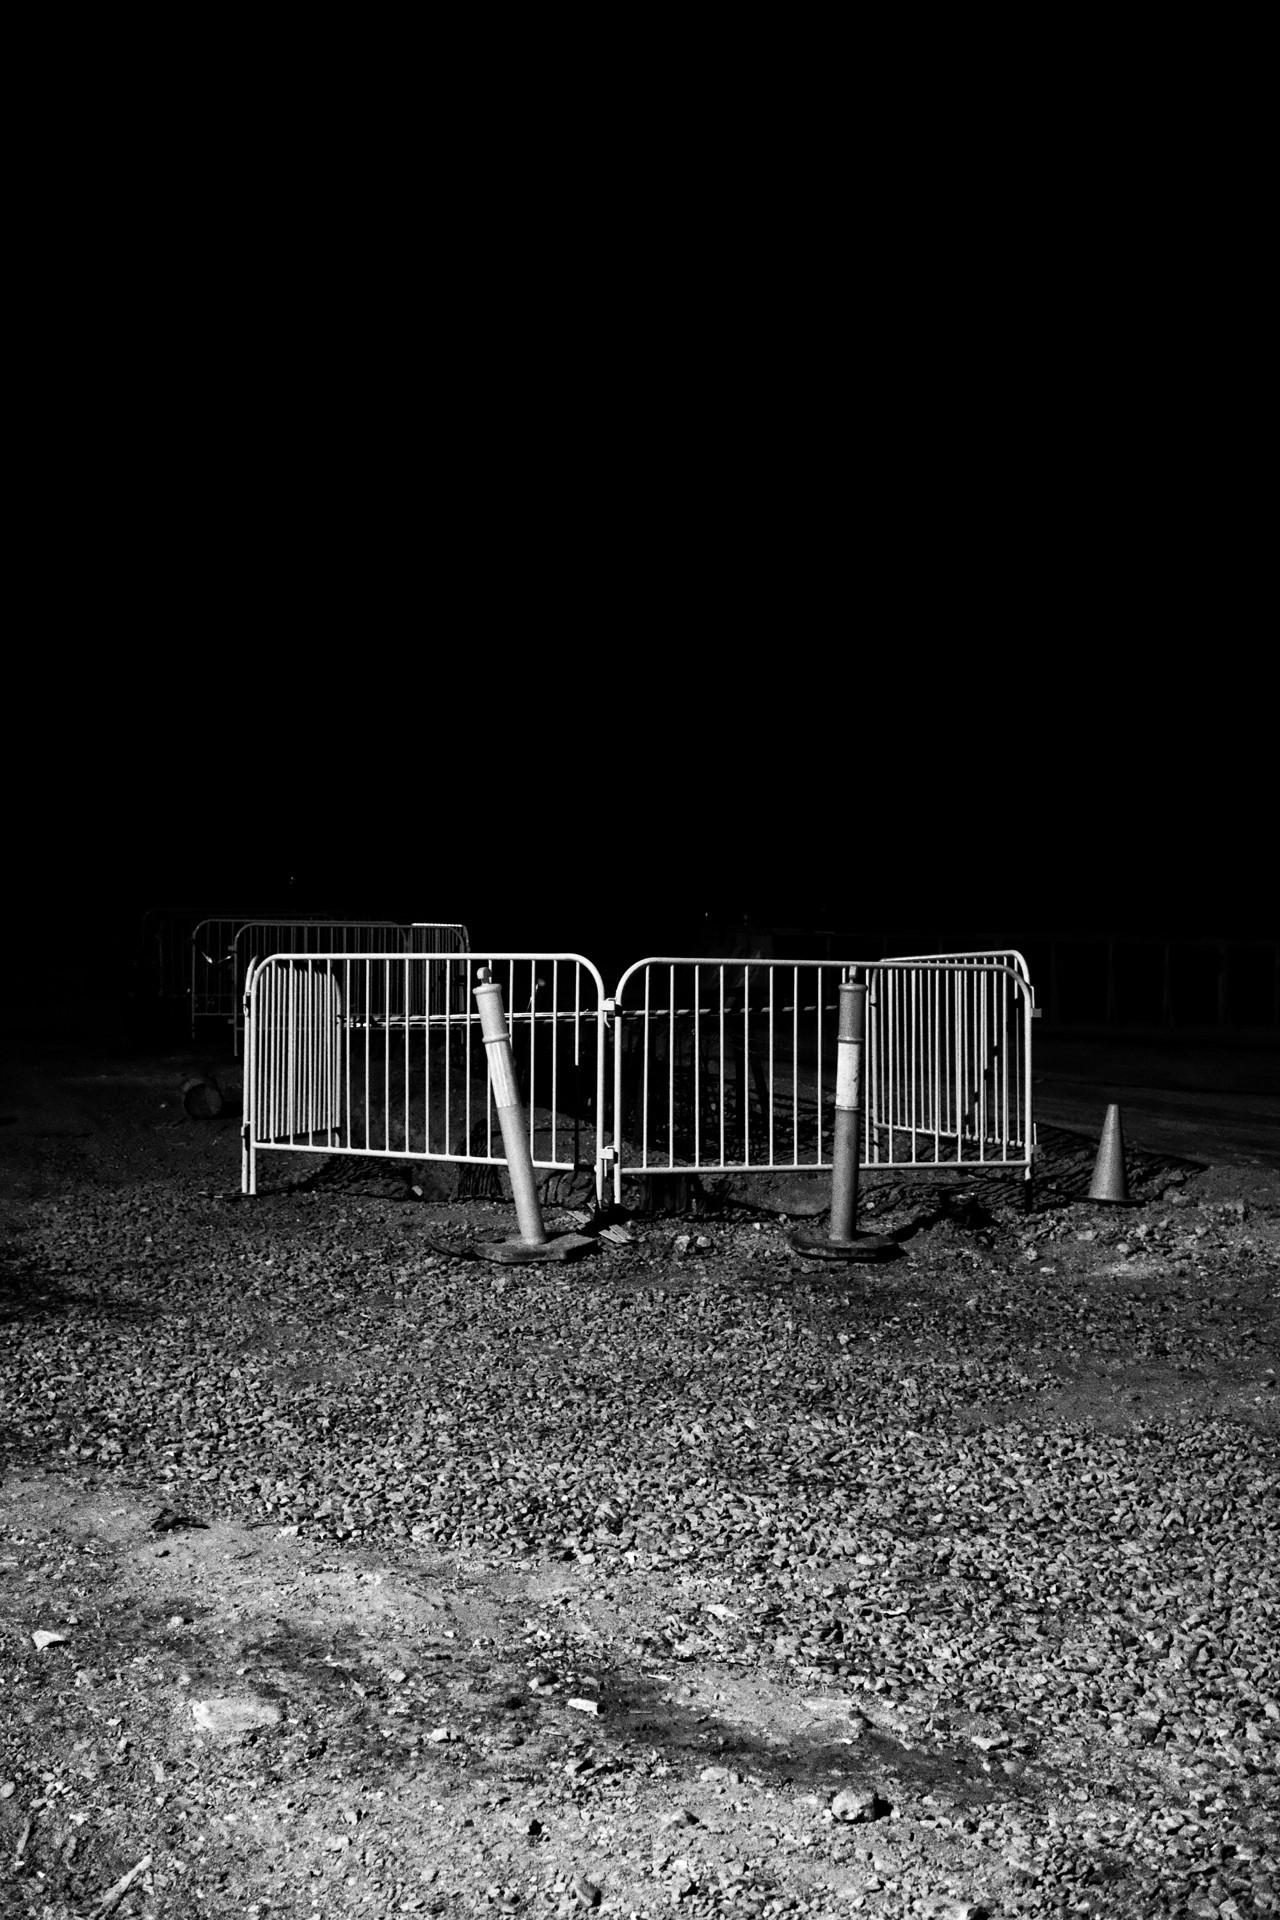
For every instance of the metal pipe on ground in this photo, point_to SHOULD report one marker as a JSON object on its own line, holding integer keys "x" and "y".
{"x": 842, "y": 1240}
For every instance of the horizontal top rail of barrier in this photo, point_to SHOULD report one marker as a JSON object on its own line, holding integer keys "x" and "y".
{"x": 995, "y": 956}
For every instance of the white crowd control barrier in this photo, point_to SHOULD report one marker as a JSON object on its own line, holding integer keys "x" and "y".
{"x": 730, "y": 1065}
{"x": 380, "y": 1055}
{"x": 717, "y": 1065}
{"x": 948, "y": 1074}
{"x": 222, "y": 951}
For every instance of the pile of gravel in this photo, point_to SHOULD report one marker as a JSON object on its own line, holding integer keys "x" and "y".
{"x": 874, "y": 1470}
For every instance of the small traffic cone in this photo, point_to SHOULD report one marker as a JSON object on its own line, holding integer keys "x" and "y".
{"x": 1109, "y": 1182}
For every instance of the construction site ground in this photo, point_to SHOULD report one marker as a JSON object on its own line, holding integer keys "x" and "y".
{"x": 342, "y": 1572}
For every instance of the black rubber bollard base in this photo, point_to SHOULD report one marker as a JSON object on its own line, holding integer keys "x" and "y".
{"x": 523, "y": 1253}
{"x": 863, "y": 1246}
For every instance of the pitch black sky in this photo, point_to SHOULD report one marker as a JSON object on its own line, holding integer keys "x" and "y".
{"x": 914, "y": 600}
{"x": 549, "y": 808}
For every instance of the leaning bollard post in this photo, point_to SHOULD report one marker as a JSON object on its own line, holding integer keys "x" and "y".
{"x": 506, "y": 1097}
{"x": 534, "y": 1242}
{"x": 843, "y": 1241}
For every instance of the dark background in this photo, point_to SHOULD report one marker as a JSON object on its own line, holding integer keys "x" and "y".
{"x": 567, "y": 803}
{"x": 603, "y": 572}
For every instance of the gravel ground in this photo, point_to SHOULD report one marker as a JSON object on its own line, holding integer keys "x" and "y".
{"x": 693, "y": 1576}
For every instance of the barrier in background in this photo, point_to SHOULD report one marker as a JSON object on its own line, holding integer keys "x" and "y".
{"x": 724, "y": 1066}
{"x": 222, "y": 950}
{"x": 165, "y": 950}
{"x": 372, "y": 1054}
{"x": 212, "y": 959}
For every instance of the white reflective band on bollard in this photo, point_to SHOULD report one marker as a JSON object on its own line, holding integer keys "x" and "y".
{"x": 848, "y": 1077}
{"x": 842, "y": 1241}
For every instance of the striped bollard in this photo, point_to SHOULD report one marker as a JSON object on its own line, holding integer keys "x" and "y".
{"x": 534, "y": 1242}
{"x": 842, "y": 1240}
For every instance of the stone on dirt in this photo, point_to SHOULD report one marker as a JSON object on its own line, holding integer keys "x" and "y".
{"x": 858, "y": 1804}
{"x": 232, "y": 1716}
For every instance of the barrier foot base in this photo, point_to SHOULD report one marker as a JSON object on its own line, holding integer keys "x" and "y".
{"x": 863, "y": 1246}
{"x": 521, "y": 1253}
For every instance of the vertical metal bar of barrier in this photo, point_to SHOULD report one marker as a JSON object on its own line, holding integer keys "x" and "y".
{"x": 616, "y": 1141}
{"x": 247, "y": 1115}
{"x": 1000, "y": 987}
{"x": 644, "y": 1104}
{"x": 931, "y": 1058}
{"x": 308, "y": 1109}
{"x": 795, "y": 1067}
{"x": 555, "y": 1056}
{"x": 428, "y": 1010}
{"x": 291, "y": 1098}
{"x": 1029, "y": 1135}
{"x": 466, "y": 1084}
{"x": 915, "y": 1061}
{"x": 721, "y": 1095}
{"x": 890, "y": 982}
{"x": 448, "y": 1076}
{"x": 281, "y": 988}
{"x": 671, "y": 1067}
{"x": 822, "y": 1085}
{"x": 577, "y": 1080}
{"x": 960, "y": 1068}
{"x": 533, "y": 1047}
{"x": 697, "y": 1065}
{"x": 599, "y": 1105}
{"x": 744, "y": 1066}
{"x": 772, "y": 1065}
{"x": 367, "y": 1028}
{"x": 870, "y": 1104}
{"x": 386, "y": 1053}
{"x": 348, "y": 1021}
{"x": 982, "y": 996}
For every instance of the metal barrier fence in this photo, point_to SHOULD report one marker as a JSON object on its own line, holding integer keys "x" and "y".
{"x": 165, "y": 949}
{"x": 372, "y": 1054}
{"x": 215, "y": 971}
{"x": 724, "y": 1066}
{"x": 222, "y": 950}
{"x": 718, "y": 1065}
{"x": 948, "y": 1059}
